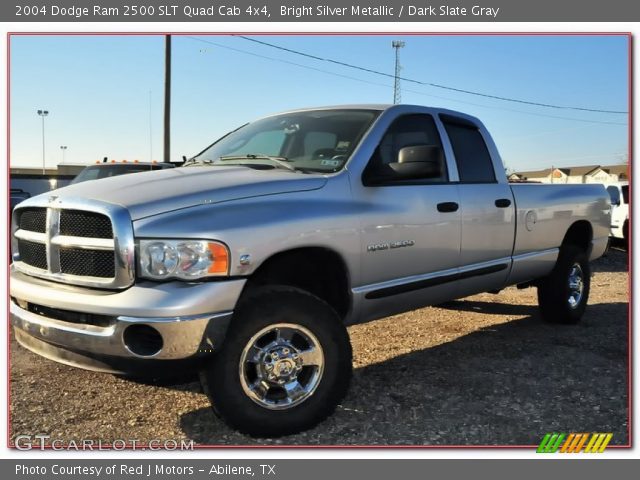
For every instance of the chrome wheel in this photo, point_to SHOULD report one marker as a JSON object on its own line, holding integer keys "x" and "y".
{"x": 576, "y": 285}
{"x": 281, "y": 366}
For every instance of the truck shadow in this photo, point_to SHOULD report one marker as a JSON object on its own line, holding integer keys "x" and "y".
{"x": 507, "y": 384}
{"x": 616, "y": 260}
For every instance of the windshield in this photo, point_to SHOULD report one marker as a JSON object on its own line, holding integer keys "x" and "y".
{"x": 315, "y": 140}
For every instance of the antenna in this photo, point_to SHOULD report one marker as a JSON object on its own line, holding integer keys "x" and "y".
{"x": 397, "y": 45}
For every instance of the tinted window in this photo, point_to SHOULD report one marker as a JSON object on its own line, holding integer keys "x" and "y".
{"x": 614, "y": 193}
{"x": 472, "y": 156}
{"x": 406, "y": 131}
{"x": 625, "y": 193}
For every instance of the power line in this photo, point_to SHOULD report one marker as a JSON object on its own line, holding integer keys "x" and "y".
{"x": 435, "y": 85}
{"x": 327, "y": 72}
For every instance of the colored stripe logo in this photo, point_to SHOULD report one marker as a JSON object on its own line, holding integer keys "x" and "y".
{"x": 574, "y": 442}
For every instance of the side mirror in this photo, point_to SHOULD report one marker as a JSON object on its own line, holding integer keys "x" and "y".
{"x": 419, "y": 162}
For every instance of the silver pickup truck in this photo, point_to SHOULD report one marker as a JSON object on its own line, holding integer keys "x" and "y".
{"x": 249, "y": 262}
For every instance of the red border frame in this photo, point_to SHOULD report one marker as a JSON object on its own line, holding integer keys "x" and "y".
{"x": 145, "y": 447}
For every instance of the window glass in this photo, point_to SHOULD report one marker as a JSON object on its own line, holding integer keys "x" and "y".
{"x": 320, "y": 144}
{"x": 625, "y": 194}
{"x": 406, "y": 131}
{"x": 309, "y": 141}
{"x": 614, "y": 194}
{"x": 472, "y": 156}
{"x": 268, "y": 142}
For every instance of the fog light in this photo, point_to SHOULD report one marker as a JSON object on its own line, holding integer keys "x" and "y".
{"x": 142, "y": 340}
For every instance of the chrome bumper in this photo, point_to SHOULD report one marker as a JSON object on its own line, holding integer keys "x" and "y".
{"x": 192, "y": 334}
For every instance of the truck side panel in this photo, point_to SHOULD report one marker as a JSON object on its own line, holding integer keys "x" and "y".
{"x": 544, "y": 214}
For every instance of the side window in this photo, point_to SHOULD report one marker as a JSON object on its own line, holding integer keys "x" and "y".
{"x": 406, "y": 131}
{"x": 472, "y": 156}
{"x": 614, "y": 193}
{"x": 625, "y": 194}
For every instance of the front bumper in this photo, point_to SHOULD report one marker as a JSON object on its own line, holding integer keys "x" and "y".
{"x": 188, "y": 320}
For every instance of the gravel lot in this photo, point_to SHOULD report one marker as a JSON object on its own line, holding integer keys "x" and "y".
{"x": 480, "y": 371}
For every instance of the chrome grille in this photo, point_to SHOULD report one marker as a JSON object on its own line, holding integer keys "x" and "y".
{"x": 32, "y": 253}
{"x": 33, "y": 219}
{"x": 87, "y": 263}
{"x": 81, "y": 243}
{"x": 78, "y": 223}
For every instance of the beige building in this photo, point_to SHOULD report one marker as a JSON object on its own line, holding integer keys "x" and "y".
{"x": 582, "y": 174}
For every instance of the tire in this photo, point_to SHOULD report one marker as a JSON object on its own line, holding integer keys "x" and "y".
{"x": 560, "y": 300}
{"x": 296, "y": 375}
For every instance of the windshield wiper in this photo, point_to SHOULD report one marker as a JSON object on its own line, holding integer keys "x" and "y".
{"x": 194, "y": 160}
{"x": 280, "y": 161}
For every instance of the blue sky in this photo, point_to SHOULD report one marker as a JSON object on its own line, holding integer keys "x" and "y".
{"x": 105, "y": 93}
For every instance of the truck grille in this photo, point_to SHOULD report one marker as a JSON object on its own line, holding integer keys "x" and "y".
{"x": 33, "y": 219}
{"x": 85, "y": 224}
{"x": 73, "y": 245}
{"x": 34, "y": 254}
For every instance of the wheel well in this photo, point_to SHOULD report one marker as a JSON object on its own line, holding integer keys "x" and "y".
{"x": 317, "y": 270}
{"x": 579, "y": 234}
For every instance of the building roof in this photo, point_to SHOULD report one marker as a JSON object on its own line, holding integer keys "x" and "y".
{"x": 616, "y": 169}
{"x": 535, "y": 173}
{"x": 581, "y": 171}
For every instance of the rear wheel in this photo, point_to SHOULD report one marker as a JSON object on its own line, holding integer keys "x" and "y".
{"x": 563, "y": 295}
{"x": 284, "y": 366}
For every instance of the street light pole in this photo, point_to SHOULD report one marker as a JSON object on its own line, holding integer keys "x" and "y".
{"x": 43, "y": 114}
{"x": 64, "y": 150}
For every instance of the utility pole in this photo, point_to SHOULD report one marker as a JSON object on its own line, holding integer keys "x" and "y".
{"x": 167, "y": 99}
{"x": 43, "y": 114}
{"x": 397, "y": 45}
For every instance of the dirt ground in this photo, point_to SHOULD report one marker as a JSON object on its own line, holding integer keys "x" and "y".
{"x": 484, "y": 370}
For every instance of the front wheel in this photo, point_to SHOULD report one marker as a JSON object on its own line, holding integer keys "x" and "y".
{"x": 563, "y": 295}
{"x": 284, "y": 366}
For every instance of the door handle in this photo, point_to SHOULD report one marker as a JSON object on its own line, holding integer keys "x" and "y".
{"x": 446, "y": 207}
{"x": 503, "y": 202}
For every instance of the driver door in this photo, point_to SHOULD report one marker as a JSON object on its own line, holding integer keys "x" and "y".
{"x": 411, "y": 231}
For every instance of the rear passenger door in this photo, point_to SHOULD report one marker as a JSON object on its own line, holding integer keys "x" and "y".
{"x": 486, "y": 207}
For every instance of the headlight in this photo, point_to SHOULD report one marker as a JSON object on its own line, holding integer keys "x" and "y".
{"x": 183, "y": 259}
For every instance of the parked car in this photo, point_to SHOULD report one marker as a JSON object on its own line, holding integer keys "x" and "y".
{"x": 619, "y": 194}
{"x": 17, "y": 195}
{"x": 112, "y": 169}
{"x": 253, "y": 258}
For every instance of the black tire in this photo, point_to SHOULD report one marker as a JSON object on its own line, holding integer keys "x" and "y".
{"x": 554, "y": 291}
{"x": 260, "y": 309}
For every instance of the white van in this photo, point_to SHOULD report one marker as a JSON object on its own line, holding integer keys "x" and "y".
{"x": 619, "y": 193}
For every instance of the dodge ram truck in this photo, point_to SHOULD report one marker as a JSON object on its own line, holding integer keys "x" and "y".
{"x": 248, "y": 263}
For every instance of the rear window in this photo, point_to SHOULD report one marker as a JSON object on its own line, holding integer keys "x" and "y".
{"x": 625, "y": 194}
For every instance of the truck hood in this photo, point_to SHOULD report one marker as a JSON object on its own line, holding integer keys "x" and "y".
{"x": 150, "y": 193}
